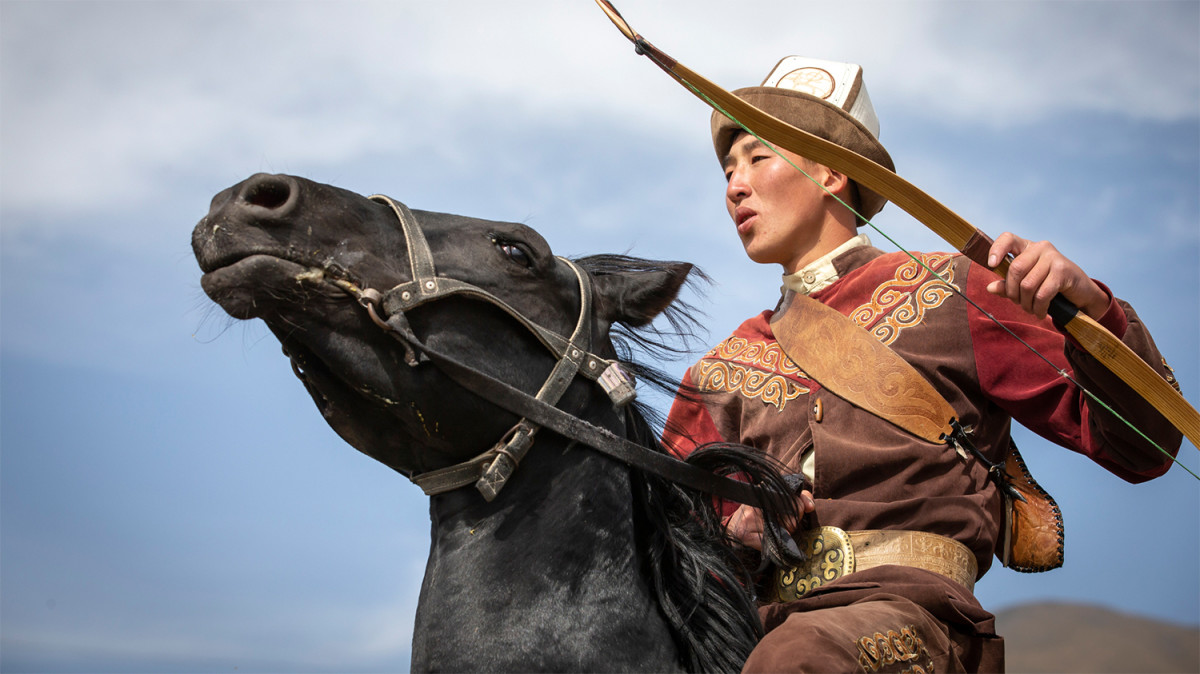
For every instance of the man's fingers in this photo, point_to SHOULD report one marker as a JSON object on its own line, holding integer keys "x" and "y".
{"x": 1034, "y": 285}
{"x": 807, "y": 503}
{"x": 1004, "y": 245}
{"x": 746, "y": 526}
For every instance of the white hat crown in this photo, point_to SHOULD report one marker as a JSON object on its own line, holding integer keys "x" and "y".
{"x": 839, "y": 84}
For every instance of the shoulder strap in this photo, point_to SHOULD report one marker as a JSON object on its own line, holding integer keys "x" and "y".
{"x": 845, "y": 359}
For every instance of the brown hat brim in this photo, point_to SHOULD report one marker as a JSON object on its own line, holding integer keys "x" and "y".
{"x": 815, "y": 116}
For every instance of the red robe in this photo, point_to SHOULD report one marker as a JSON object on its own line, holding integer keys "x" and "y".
{"x": 869, "y": 474}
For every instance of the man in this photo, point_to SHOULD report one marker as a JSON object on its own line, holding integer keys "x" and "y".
{"x": 875, "y": 485}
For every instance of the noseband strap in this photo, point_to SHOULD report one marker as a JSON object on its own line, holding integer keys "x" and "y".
{"x": 490, "y": 471}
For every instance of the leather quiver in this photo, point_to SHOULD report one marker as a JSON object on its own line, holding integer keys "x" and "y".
{"x": 1033, "y": 530}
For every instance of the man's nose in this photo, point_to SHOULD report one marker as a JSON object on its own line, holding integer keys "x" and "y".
{"x": 737, "y": 188}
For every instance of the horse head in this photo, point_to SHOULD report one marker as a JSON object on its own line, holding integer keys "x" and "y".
{"x": 294, "y": 253}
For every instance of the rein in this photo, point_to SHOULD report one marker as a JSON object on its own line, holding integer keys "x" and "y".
{"x": 490, "y": 470}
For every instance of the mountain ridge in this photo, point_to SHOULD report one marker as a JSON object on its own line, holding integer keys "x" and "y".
{"x": 1067, "y": 637}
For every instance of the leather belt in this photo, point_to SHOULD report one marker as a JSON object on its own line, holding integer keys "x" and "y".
{"x": 833, "y": 553}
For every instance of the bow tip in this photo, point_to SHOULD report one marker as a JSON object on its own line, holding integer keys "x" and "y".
{"x": 618, "y": 20}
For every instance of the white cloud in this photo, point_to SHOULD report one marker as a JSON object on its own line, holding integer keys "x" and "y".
{"x": 1022, "y": 61}
{"x": 102, "y": 100}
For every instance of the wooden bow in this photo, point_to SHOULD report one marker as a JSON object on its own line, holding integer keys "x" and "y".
{"x": 965, "y": 237}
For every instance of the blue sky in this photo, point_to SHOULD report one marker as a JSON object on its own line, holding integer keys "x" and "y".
{"x": 170, "y": 499}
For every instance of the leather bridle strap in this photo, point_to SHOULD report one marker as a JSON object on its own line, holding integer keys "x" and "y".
{"x": 490, "y": 470}
{"x": 569, "y": 426}
{"x": 427, "y": 286}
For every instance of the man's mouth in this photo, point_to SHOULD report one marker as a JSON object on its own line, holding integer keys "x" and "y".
{"x": 742, "y": 217}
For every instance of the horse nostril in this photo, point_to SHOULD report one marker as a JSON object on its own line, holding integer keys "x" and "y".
{"x": 270, "y": 192}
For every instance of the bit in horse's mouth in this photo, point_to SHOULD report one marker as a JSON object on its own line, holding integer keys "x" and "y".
{"x": 248, "y": 286}
{"x": 231, "y": 262}
{"x": 326, "y": 266}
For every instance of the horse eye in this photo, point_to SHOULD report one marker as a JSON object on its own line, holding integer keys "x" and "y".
{"x": 515, "y": 253}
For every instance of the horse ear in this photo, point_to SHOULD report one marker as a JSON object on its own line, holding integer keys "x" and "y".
{"x": 636, "y": 297}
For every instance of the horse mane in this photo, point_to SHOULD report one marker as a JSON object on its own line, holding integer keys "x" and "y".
{"x": 702, "y": 578}
{"x": 637, "y": 347}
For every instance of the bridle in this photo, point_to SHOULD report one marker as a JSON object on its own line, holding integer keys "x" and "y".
{"x": 490, "y": 470}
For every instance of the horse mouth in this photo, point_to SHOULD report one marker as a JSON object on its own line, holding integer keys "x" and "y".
{"x": 260, "y": 284}
{"x": 294, "y": 299}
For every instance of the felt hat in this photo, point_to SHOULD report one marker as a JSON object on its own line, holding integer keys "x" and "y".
{"x": 824, "y": 98}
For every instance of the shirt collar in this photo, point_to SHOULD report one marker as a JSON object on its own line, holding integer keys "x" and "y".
{"x": 820, "y": 272}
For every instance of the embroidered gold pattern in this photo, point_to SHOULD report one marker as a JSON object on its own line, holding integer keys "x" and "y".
{"x": 905, "y": 647}
{"x": 904, "y": 301}
{"x": 717, "y": 375}
{"x": 754, "y": 368}
{"x": 758, "y": 354}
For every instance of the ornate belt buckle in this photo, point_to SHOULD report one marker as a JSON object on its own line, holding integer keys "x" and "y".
{"x": 830, "y": 556}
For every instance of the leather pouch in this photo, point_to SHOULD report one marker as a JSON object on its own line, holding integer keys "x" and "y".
{"x": 1033, "y": 529}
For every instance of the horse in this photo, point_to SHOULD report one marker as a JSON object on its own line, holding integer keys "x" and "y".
{"x": 423, "y": 337}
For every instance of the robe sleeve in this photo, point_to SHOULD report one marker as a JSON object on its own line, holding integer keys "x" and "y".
{"x": 689, "y": 423}
{"x": 1034, "y": 394}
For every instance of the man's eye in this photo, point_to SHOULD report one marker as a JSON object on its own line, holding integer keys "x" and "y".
{"x": 515, "y": 253}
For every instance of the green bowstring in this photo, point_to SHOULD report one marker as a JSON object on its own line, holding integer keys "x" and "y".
{"x": 1063, "y": 373}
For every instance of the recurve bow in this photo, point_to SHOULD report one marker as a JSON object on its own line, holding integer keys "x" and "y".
{"x": 965, "y": 237}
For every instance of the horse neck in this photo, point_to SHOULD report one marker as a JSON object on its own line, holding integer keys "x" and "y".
{"x": 549, "y": 576}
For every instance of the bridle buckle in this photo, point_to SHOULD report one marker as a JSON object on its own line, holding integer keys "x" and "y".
{"x": 509, "y": 452}
{"x": 619, "y": 386}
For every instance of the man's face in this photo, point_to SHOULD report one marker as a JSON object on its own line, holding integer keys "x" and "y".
{"x": 778, "y": 211}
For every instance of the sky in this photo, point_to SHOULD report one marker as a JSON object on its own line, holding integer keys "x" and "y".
{"x": 170, "y": 499}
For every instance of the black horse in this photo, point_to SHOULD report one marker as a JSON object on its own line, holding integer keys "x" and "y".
{"x": 575, "y": 562}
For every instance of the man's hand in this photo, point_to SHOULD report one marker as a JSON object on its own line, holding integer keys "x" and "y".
{"x": 1038, "y": 272}
{"x": 746, "y": 523}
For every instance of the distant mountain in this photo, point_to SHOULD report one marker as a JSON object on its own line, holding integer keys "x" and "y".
{"x": 1070, "y": 638}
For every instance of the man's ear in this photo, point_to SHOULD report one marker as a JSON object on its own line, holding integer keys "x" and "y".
{"x": 838, "y": 183}
{"x": 636, "y": 297}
